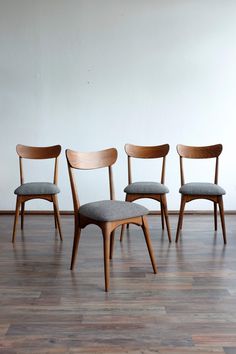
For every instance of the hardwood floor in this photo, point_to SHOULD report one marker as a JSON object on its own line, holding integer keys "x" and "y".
{"x": 188, "y": 307}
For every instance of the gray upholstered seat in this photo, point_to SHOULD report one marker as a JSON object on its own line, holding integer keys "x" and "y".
{"x": 110, "y": 210}
{"x": 201, "y": 188}
{"x": 146, "y": 188}
{"x": 35, "y": 188}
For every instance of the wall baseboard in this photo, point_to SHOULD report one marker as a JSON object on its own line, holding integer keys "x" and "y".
{"x": 152, "y": 212}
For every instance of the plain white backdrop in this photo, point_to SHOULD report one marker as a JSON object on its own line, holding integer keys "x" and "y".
{"x": 93, "y": 74}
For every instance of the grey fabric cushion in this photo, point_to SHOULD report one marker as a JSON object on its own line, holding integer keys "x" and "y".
{"x": 201, "y": 188}
{"x": 37, "y": 188}
{"x": 110, "y": 210}
{"x": 146, "y": 188}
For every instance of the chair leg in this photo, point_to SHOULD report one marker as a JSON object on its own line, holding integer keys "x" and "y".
{"x": 165, "y": 212}
{"x": 106, "y": 251}
{"x": 222, "y": 216}
{"x": 55, "y": 203}
{"x": 77, "y": 233}
{"x": 215, "y": 216}
{"x": 181, "y": 214}
{"x": 162, "y": 217}
{"x": 112, "y": 243}
{"x": 18, "y": 202}
{"x": 55, "y": 215}
{"x": 22, "y": 214}
{"x": 149, "y": 244}
{"x": 122, "y": 232}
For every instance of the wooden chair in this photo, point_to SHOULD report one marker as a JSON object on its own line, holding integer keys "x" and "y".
{"x": 37, "y": 190}
{"x": 152, "y": 190}
{"x": 196, "y": 190}
{"x": 107, "y": 214}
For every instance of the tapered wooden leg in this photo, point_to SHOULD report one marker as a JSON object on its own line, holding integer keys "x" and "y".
{"x": 215, "y": 215}
{"x": 162, "y": 217}
{"x": 127, "y": 226}
{"x": 55, "y": 216}
{"x": 165, "y": 212}
{"x": 181, "y": 214}
{"x": 77, "y": 233}
{"x": 55, "y": 203}
{"x": 22, "y": 214}
{"x": 112, "y": 243}
{"x": 181, "y": 222}
{"x": 106, "y": 251}
{"x": 18, "y": 203}
{"x": 222, "y": 216}
{"x": 122, "y": 232}
{"x": 149, "y": 243}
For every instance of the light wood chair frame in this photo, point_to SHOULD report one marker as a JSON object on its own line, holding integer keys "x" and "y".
{"x": 90, "y": 161}
{"x": 149, "y": 152}
{"x": 201, "y": 152}
{"x": 37, "y": 153}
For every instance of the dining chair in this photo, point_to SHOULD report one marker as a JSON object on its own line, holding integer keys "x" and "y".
{"x": 37, "y": 190}
{"x": 201, "y": 190}
{"x": 151, "y": 190}
{"x": 106, "y": 214}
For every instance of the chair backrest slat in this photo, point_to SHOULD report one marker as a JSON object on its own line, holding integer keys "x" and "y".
{"x": 147, "y": 152}
{"x": 91, "y": 160}
{"x": 199, "y": 152}
{"x": 31, "y": 152}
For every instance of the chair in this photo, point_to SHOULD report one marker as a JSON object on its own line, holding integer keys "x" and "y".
{"x": 197, "y": 190}
{"x": 151, "y": 190}
{"x": 37, "y": 190}
{"x": 107, "y": 214}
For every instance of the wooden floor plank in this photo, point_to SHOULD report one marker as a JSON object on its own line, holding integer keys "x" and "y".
{"x": 189, "y": 307}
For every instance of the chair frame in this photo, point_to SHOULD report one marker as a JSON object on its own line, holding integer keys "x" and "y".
{"x": 149, "y": 152}
{"x": 90, "y": 161}
{"x": 201, "y": 152}
{"x": 37, "y": 153}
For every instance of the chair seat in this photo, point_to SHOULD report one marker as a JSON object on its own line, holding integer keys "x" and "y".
{"x": 111, "y": 210}
{"x": 146, "y": 188}
{"x": 201, "y": 188}
{"x": 37, "y": 188}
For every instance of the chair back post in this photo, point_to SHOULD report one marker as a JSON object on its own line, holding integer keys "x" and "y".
{"x": 55, "y": 178}
{"x": 181, "y": 170}
{"x": 73, "y": 186}
{"x": 21, "y": 170}
{"x": 129, "y": 170}
{"x": 216, "y": 170}
{"x": 111, "y": 183}
{"x": 163, "y": 170}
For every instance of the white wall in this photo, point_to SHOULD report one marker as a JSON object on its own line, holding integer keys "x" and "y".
{"x": 92, "y": 74}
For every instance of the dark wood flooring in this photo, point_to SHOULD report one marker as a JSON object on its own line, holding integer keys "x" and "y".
{"x": 188, "y": 307}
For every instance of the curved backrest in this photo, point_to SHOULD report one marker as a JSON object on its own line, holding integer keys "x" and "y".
{"x": 199, "y": 152}
{"x": 38, "y": 153}
{"x": 90, "y": 161}
{"x": 147, "y": 152}
{"x": 33, "y": 152}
